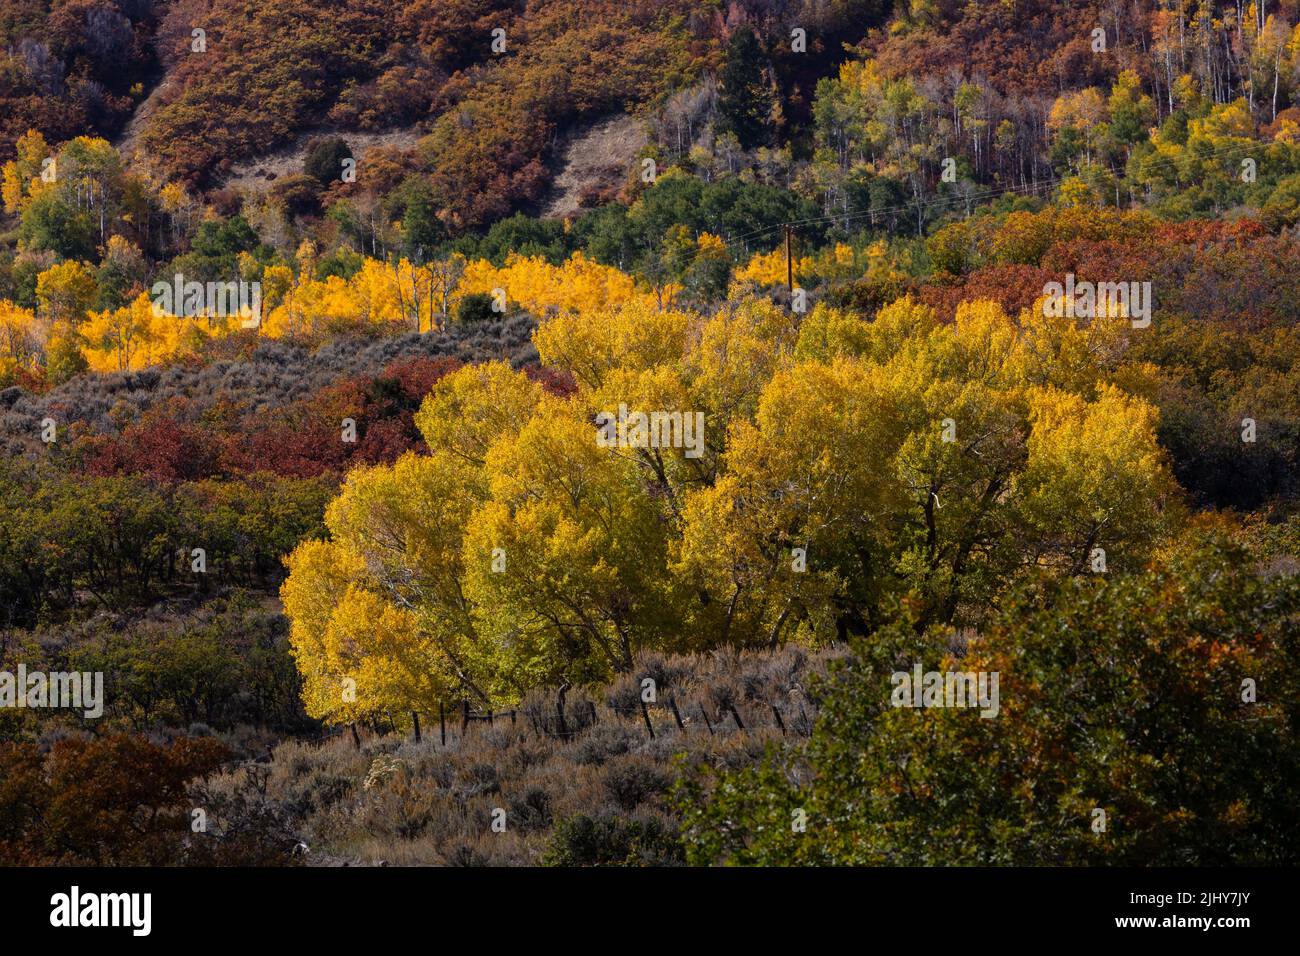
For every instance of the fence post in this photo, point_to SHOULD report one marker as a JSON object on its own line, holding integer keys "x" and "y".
{"x": 442, "y": 723}
{"x": 645, "y": 714}
{"x": 707, "y": 723}
{"x": 559, "y": 709}
{"x": 415, "y": 721}
{"x": 677, "y": 716}
{"x": 736, "y": 714}
{"x": 779, "y": 722}
{"x": 464, "y": 716}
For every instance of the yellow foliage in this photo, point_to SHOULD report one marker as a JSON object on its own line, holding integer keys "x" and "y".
{"x": 764, "y": 268}
{"x": 839, "y": 460}
{"x": 396, "y": 294}
{"x": 20, "y": 337}
{"x": 837, "y": 262}
{"x": 66, "y": 291}
{"x": 591, "y": 342}
{"x": 578, "y": 285}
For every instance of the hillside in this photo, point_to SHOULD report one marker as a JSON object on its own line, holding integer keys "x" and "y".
{"x": 363, "y": 362}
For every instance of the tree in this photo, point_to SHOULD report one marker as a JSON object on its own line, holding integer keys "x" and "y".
{"x": 745, "y": 99}
{"x": 387, "y": 609}
{"x": 422, "y": 230}
{"x": 66, "y": 292}
{"x": 23, "y": 172}
{"x": 833, "y": 472}
{"x": 324, "y": 160}
{"x": 122, "y": 273}
{"x": 50, "y": 222}
{"x": 124, "y": 335}
{"x": 116, "y": 800}
{"x": 1123, "y": 694}
{"x": 64, "y": 358}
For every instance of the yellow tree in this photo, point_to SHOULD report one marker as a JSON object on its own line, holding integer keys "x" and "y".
{"x": 566, "y": 562}
{"x": 20, "y": 339}
{"x": 66, "y": 291}
{"x": 395, "y": 554}
{"x": 803, "y": 508}
{"x": 592, "y": 342}
{"x": 843, "y": 466}
{"x": 21, "y": 173}
{"x": 119, "y": 340}
{"x": 1095, "y": 478}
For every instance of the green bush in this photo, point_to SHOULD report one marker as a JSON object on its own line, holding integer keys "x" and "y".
{"x": 612, "y": 841}
{"x": 475, "y": 307}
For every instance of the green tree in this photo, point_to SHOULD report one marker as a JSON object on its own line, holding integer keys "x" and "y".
{"x": 1130, "y": 695}
{"x": 745, "y": 98}
{"x": 324, "y": 161}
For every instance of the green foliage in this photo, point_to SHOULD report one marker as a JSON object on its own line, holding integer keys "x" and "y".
{"x": 475, "y": 307}
{"x": 524, "y": 236}
{"x": 612, "y": 841}
{"x": 1282, "y": 209}
{"x": 51, "y": 222}
{"x": 633, "y": 237}
{"x": 1120, "y": 693}
{"x": 214, "y": 252}
{"x": 342, "y": 262}
{"x": 324, "y": 160}
{"x": 63, "y": 359}
{"x": 122, "y": 540}
{"x": 413, "y": 205}
{"x": 745, "y": 100}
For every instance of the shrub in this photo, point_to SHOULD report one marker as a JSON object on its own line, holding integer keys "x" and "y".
{"x": 475, "y": 307}
{"x": 324, "y": 162}
{"x": 610, "y": 841}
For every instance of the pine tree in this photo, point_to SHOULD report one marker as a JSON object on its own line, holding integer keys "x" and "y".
{"x": 745, "y": 100}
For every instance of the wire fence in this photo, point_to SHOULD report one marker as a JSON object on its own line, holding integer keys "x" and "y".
{"x": 566, "y": 722}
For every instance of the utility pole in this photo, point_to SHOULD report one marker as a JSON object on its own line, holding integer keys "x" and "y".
{"x": 789, "y": 262}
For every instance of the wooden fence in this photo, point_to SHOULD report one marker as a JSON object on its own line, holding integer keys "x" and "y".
{"x": 566, "y": 723}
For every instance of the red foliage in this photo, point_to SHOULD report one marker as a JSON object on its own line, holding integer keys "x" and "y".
{"x": 418, "y": 375}
{"x": 1202, "y": 232}
{"x": 1230, "y": 272}
{"x": 301, "y": 440}
{"x": 387, "y": 440}
{"x": 302, "y": 449}
{"x": 31, "y": 380}
{"x": 556, "y": 381}
{"x": 1023, "y": 50}
{"x": 116, "y": 800}
{"x": 162, "y": 449}
{"x": 1015, "y": 287}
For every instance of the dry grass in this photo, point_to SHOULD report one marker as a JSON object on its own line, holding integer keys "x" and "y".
{"x": 595, "y": 792}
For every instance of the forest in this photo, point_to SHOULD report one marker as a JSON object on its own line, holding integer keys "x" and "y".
{"x": 368, "y": 583}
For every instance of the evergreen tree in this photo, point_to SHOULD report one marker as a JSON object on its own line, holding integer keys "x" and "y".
{"x": 745, "y": 100}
